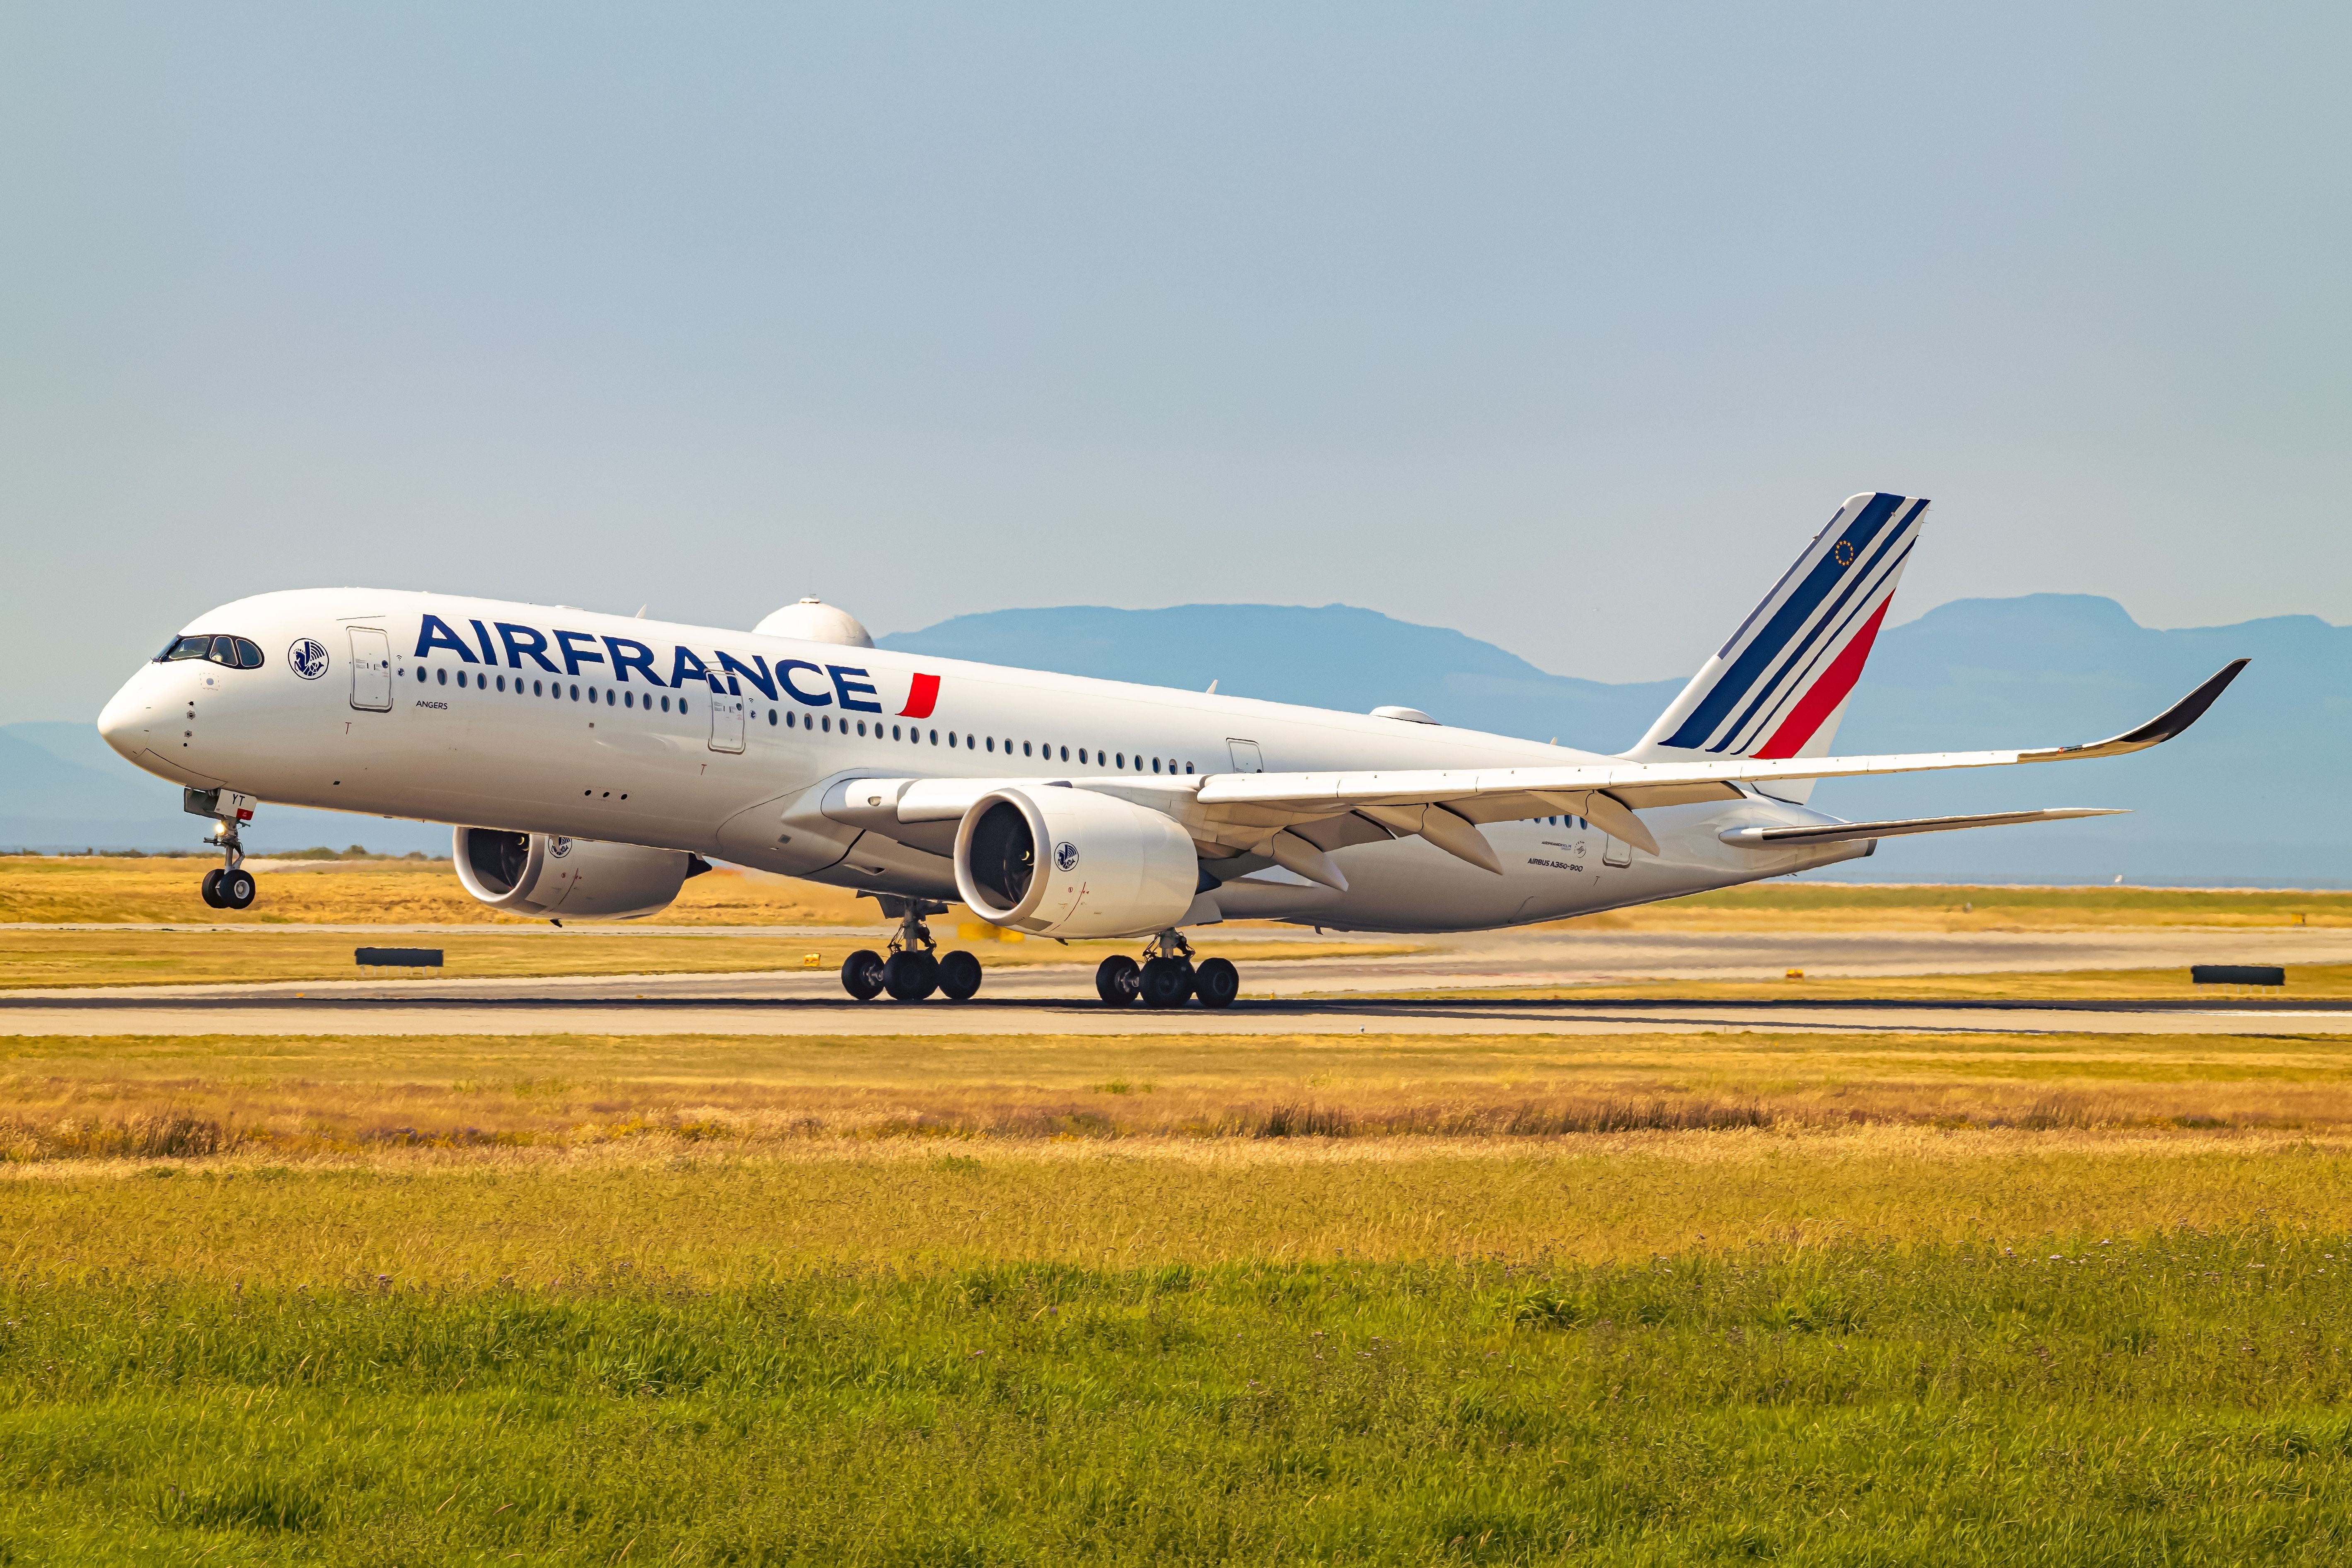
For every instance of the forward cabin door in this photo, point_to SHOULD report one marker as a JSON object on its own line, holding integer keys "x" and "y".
{"x": 370, "y": 670}
{"x": 725, "y": 722}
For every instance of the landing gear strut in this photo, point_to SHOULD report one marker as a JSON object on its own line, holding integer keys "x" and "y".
{"x": 913, "y": 970}
{"x": 1167, "y": 977}
{"x": 230, "y": 886}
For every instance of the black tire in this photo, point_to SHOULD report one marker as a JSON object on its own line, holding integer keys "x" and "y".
{"x": 1217, "y": 983}
{"x": 1167, "y": 982}
{"x": 236, "y": 889}
{"x": 1118, "y": 980}
{"x": 861, "y": 974}
{"x": 212, "y": 887}
{"x": 960, "y": 976}
{"x": 910, "y": 976}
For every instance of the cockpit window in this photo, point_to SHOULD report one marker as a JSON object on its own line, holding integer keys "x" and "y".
{"x": 235, "y": 653}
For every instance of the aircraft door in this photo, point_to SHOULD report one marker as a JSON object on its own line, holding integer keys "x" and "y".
{"x": 1616, "y": 851}
{"x": 370, "y": 670}
{"x": 1247, "y": 758}
{"x": 725, "y": 723}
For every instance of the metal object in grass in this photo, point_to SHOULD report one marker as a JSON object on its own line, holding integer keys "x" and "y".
{"x": 419, "y": 959}
{"x": 2232, "y": 976}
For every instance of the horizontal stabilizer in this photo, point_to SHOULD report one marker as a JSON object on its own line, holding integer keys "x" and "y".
{"x": 1760, "y": 837}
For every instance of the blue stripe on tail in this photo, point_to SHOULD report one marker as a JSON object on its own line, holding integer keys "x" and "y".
{"x": 1784, "y": 625}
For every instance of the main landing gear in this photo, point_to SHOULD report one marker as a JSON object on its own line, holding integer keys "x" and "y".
{"x": 913, "y": 971}
{"x": 1167, "y": 977}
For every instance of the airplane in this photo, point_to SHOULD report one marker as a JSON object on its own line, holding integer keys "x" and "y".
{"x": 590, "y": 763}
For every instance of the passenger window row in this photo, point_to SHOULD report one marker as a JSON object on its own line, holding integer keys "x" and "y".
{"x": 556, "y": 690}
{"x": 824, "y": 722}
{"x": 236, "y": 653}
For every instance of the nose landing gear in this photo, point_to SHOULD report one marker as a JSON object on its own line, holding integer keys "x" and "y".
{"x": 1167, "y": 977}
{"x": 913, "y": 970}
{"x": 230, "y": 886}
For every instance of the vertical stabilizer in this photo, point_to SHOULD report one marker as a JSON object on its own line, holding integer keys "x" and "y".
{"x": 1779, "y": 688}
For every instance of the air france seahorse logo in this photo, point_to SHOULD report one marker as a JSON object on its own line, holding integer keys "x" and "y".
{"x": 308, "y": 658}
{"x": 1066, "y": 855}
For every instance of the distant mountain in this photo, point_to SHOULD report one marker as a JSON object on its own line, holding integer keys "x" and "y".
{"x": 62, "y": 787}
{"x": 1335, "y": 657}
{"x": 2242, "y": 799}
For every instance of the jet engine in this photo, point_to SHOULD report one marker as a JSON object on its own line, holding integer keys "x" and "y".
{"x": 580, "y": 879}
{"x": 1074, "y": 863}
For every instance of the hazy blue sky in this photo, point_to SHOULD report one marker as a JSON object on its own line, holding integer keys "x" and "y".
{"x": 1562, "y": 327}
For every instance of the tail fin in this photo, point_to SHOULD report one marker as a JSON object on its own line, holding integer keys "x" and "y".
{"x": 1780, "y": 686}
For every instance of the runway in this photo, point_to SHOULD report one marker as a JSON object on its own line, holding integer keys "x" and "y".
{"x": 1436, "y": 991}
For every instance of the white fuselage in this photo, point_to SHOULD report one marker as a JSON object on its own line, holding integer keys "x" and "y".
{"x": 547, "y": 720}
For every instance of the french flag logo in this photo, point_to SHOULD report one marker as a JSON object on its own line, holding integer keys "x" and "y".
{"x": 921, "y": 698}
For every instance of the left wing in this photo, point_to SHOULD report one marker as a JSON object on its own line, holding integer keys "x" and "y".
{"x": 1243, "y": 810}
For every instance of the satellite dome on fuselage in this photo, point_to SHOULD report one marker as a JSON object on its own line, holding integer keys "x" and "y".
{"x": 813, "y": 620}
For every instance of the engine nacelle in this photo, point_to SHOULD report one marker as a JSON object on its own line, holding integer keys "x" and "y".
{"x": 1074, "y": 863}
{"x": 577, "y": 878}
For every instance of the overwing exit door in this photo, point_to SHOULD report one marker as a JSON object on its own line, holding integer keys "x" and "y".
{"x": 1247, "y": 758}
{"x": 725, "y": 723}
{"x": 370, "y": 670}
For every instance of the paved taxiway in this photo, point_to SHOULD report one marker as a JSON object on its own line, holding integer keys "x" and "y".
{"x": 1433, "y": 990}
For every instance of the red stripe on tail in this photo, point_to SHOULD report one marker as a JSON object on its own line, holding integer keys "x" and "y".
{"x": 921, "y": 698}
{"x": 1828, "y": 691}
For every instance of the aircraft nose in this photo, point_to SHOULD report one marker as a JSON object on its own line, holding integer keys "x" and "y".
{"x": 123, "y": 722}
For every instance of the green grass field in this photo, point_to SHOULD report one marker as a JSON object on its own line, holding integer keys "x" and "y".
{"x": 2172, "y": 1397}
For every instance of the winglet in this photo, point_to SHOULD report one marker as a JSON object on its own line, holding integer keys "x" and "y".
{"x": 2161, "y": 729}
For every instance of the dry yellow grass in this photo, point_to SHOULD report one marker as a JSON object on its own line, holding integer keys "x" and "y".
{"x": 34, "y": 958}
{"x": 543, "y": 1217}
{"x": 390, "y": 892}
{"x": 52, "y": 888}
{"x": 330, "y": 1096}
{"x": 2302, "y": 981}
{"x": 1781, "y": 906}
{"x": 469, "y": 1158}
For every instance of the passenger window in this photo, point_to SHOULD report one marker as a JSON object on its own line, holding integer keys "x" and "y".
{"x": 827, "y": 721}
{"x": 1188, "y": 767}
{"x": 951, "y": 740}
{"x": 681, "y": 704}
{"x": 772, "y": 718}
{"x": 1065, "y": 753}
{"x": 575, "y": 694}
{"x": 991, "y": 742}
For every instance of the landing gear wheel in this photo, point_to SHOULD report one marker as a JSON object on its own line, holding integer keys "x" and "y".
{"x": 1118, "y": 980}
{"x": 960, "y": 976}
{"x": 1216, "y": 983}
{"x": 861, "y": 974}
{"x": 910, "y": 976}
{"x": 236, "y": 889}
{"x": 1167, "y": 982}
{"x": 212, "y": 887}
